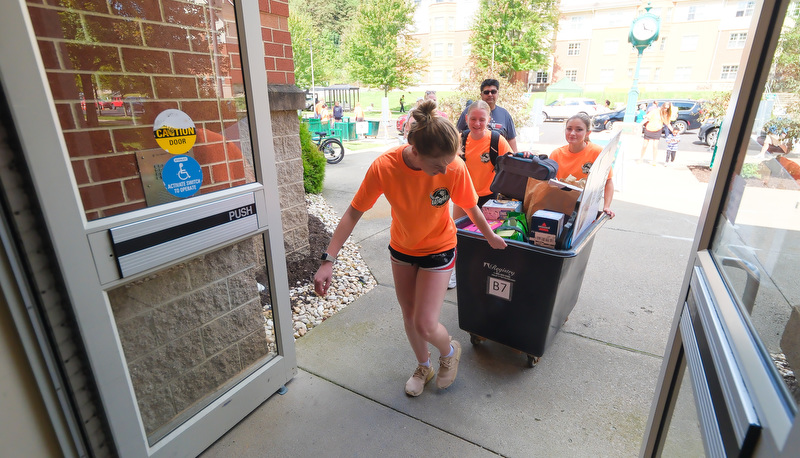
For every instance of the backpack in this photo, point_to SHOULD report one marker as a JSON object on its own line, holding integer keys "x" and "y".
{"x": 494, "y": 145}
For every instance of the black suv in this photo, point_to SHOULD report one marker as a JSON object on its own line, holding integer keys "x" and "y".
{"x": 689, "y": 112}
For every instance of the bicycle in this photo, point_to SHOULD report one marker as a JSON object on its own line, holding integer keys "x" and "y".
{"x": 331, "y": 148}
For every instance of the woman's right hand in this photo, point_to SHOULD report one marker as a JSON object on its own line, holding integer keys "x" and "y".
{"x": 323, "y": 278}
{"x": 496, "y": 242}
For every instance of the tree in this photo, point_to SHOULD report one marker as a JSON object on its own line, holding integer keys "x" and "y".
{"x": 304, "y": 37}
{"x": 324, "y": 22}
{"x": 513, "y": 34}
{"x": 785, "y": 75}
{"x": 511, "y": 97}
{"x": 379, "y": 47}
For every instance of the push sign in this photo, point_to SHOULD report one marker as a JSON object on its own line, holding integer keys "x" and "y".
{"x": 174, "y": 131}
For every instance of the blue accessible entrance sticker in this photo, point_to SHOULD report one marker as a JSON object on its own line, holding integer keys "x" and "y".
{"x": 182, "y": 176}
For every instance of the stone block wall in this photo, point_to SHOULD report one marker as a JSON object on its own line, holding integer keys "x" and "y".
{"x": 193, "y": 329}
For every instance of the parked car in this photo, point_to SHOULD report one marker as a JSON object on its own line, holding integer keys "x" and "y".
{"x": 309, "y": 102}
{"x": 689, "y": 112}
{"x": 133, "y": 105}
{"x": 708, "y": 133}
{"x": 565, "y": 108}
{"x": 401, "y": 120}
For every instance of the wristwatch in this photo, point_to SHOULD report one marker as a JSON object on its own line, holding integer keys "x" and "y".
{"x": 326, "y": 257}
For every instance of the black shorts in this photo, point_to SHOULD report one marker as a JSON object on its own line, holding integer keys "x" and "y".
{"x": 445, "y": 260}
{"x": 649, "y": 135}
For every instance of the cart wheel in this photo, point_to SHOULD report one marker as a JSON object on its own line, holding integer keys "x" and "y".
{"x": 475, "y": 339}
{"x": 532, "y": 360}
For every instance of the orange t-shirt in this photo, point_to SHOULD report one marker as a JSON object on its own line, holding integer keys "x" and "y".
{"x": 421, "y": 222}
{"x": 654, "y": 122}
{"x": 481, "y": 169}
{"x": 576, "y": 164}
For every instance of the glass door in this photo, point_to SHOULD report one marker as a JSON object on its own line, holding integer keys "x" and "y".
{"x": 735, "y": 342}
{"x": 137, "y": 120}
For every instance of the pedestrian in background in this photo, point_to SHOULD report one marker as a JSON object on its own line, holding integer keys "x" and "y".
{"x": 499, "y": 118}
{"x": 673, "y": 138}
{"x": 654, "y": 123}
{"x": 403, "y": 103}
{"x": 358, "y": 112}
{"x": 338, "y": 111}
{"x": 418, "y": 180}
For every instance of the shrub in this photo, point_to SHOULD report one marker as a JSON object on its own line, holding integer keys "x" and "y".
{"x": 313, "y": 162}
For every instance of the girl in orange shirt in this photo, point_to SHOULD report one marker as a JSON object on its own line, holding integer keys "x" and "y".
{"x": 418, "y": 179}
{"x": 577, "y": 156}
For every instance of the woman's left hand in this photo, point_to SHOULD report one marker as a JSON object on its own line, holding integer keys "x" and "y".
{"x": 608, "y": 212}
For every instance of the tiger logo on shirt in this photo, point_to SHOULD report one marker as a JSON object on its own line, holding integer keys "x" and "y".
{"x": 440, "y": 197}
{"x": 485, "y": 157}
{"x": 586, "y": 167}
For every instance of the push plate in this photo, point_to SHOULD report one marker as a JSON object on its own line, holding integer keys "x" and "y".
{"x": 156, "y": 241}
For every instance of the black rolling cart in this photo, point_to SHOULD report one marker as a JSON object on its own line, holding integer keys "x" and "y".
{"x": 521, "y": 296}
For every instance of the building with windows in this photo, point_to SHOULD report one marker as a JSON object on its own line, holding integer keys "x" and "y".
{"x": 699, "y": 48}
{"x": 442, "y": 30}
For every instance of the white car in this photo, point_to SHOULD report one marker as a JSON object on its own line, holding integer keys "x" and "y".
{"x": 565, "y": 108}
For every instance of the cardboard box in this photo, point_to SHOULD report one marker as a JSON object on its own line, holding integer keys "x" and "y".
{"x": 498, "y": 209}
{"x": 545, "y": 228}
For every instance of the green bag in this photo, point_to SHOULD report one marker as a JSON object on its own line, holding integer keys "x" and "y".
{"x": 513, "y": 228}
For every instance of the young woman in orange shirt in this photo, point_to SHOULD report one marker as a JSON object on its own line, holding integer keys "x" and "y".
{"x": 418, "y": 179}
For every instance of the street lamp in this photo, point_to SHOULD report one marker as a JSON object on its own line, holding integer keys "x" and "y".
{"x": 644, "y": 31}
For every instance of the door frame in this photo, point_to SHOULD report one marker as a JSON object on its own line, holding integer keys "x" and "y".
{"x": 779, "y": 430}
{"x": 33, "y": 110}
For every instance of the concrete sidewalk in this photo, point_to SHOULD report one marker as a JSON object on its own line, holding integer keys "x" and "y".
{"x": 589, "y": 395}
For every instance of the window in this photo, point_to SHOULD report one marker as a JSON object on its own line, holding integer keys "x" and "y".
{"x": 606, "y": 75}
{"x": 689, "y": 43}
{"x": 438, "y": 50}
{"x": 449, "y": 49}
{"x": 657, "y": 74}
{"x": 744, "y": 9}
{"x": 466, "y": 48}
{"x": 438, "y": 24}
{"x": 663, "y": 44}
{"x": 574, "y": 49}
{"x": 683, "y": 73}
{"x": 576, "y": 23}
{"x": 736, "y": 40}
{"x": 729, "y": 72}
{"x": 451, "y": 23}
{"x": 610, "y": 46}
{"x": 417, "y": 51}
{"x": 541, "y": 77}
{"x": 438, "y": 76}
{"x": 644, "y": 74}
{"x": 691, "y": 13}
{"x": 571, "y": 75}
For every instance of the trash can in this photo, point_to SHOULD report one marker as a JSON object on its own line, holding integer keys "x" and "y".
{"x": 374, "y": 128}
{"x": 521, "y": 296}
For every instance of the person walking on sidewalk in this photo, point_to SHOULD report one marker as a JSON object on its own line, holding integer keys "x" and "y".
{"x": 654, "y": 122}
{"x": 673, "y": 138}
{"x": 418, "y": 179}
{"x": 403, "y": 103}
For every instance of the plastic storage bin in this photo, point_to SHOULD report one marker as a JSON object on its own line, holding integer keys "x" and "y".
{"x": 520, "y": 296}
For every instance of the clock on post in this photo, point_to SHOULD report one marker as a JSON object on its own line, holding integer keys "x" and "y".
{"x": 644, "y": 30}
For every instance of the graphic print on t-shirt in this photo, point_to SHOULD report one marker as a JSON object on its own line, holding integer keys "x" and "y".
{"x": 586, "y": 167}
{"x": 440, "y": 197}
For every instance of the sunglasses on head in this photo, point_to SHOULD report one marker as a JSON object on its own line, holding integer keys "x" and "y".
{"x": 490, "y": 91}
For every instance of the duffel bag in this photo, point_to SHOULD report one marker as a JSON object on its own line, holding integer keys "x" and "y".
{"x": 512, "y": 173}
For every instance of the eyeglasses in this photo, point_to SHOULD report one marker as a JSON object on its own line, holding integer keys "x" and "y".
{"x": 490, "y": 91}
{"x": 430, "y": 92}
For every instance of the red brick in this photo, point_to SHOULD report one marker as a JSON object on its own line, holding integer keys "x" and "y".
{"x": 276, "y": 78}
{"x": 208, "y": 88}
{"x": 62, "y": 85}
{"x": 167, "y": 37}
{"x": 279, "y": 8}
{"x": 199, "y": 40}
{"x": 88, "y": 143}
{"x": 93, "y": 58}
{"x": 269, "y": 63}
{"x": 123, "y": 209}
{"x": 175, "y": 87}
{"x": 130, "y": 84}
{"x": 215, "y": 188}
{"x": 146, "y": 61}
{"x": 134, "y": 139}
{"x": 91, "y": 216}
{"x": 290, "y": 78}
{"x": 201, "y": 110}
{"x": 236, "y": 60}
{"x": 273, "y": 50}
{"x": 263, "y": 5}
{"x": 49, "y": 23}
{"x": 286, "y": 65}
{"x": 84, "y": 5}
{"x": 80, "y": 173}
{"x": 282, "y": 37}
{"x": 227, "y": 109}
{"x": 192, "y": 64}
{"x": 219, "y": 172}
{"x": 134, "y": 189}
{"x": 266, "y": 34}
{"x": 287, "y": 51}
{"x": 108, "y": 30}
{"x": 49, "y": 56}
{"x": 142, "y": 9}
{"x": 239, "y": 183}
{"x": 236, "y": 76}
{"x": 97, "y": 196}
{"x": 234, "y": 151}
{"x": 65, "y": 118}
{"x": 236, "y": 169}
{"x": 113, "y": 167}
{"x": 186, "y": 14}
{"x": 153, "y": 109}
{"x": 208, "y": 132}
{"x": 210, "y": 153}
{"x": 270, "y": 21}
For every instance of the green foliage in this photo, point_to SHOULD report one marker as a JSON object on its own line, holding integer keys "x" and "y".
{"x": 750, "y": 170}
{"x": 716, "y": 106}
{"x": 313, "y": 162}
{"x": 517, "y": 31}
{"x": 785, "y": 74}
{"x": 379, "y": 48}
{"x": 510, "y": 97}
